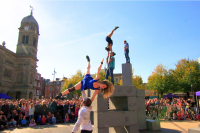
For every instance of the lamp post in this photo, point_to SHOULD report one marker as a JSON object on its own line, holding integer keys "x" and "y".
{"x": 54, "y": 73}
{"x": 190, "y": 78}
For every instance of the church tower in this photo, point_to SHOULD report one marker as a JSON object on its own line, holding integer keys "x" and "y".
{"x": 28, "y": 37}
{"x": 26, "y": 58}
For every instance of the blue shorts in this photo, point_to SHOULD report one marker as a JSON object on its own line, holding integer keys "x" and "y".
{"x": 109, "y": 40}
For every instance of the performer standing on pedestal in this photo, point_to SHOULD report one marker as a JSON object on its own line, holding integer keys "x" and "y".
{"x": 126, "y": 51}
{"x": 110, "y": 60}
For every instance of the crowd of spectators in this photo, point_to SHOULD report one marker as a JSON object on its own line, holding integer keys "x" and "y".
{"x": 176, "y": 109}
{"x": 22, "y": 113}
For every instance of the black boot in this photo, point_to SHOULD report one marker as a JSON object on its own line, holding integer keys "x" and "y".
{"x": 58, "y": 96}
{"x": 88, "y": 58}
{"x": 116, "y": 27}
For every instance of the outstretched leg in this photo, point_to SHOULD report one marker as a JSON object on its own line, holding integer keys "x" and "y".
{"x": 109, "y": 40}
{"x": 111, "y": 33}
{"x": 78, "y": 85}
{"x": 88, "y": 66}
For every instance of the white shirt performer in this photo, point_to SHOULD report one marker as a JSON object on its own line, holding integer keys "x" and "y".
{"x": 84, "y": 114}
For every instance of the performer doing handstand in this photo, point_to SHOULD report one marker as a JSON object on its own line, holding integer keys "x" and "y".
{"x": 88, "y": 82}
{"x": 109, "y": 40}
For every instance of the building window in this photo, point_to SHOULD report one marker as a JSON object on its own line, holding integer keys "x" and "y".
{"x": 38, "y": 84}
{"x": 23, "y": 39}
{"x": 57, "y": 88}
{"x": 35, "y": 83}
{"x": 34, "y": 42}
{"x": 27, "y": 39}
{"x": 38, "y": 77}
{"x": 49, "y": 88}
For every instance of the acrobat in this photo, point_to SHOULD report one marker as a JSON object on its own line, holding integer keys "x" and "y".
{"x": 109, "y": 40}
{"x": 88, "y": 82}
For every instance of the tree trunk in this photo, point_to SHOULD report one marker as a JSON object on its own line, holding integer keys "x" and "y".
{"x": 161, "y": 93}
{"x": 188, "y": 95}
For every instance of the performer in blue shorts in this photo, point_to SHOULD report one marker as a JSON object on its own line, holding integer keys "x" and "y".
{"x": 88, "y": 82}
{"x": 109, "y": 40}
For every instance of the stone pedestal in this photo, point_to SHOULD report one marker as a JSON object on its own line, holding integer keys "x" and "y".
{"x": 126, "y": 113}
{"x": 127, "y": 74}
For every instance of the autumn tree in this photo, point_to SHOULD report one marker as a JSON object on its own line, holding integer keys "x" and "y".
{"x": 73, "y": 80}
{"x": 159, "y": 80}
{"x": 187, "y": 75}
{"x": 137, "y": 81}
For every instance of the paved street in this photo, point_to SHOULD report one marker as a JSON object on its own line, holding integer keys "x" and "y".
{"x": 167, "y": 127}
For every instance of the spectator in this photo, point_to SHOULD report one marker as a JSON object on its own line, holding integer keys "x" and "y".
{"x": 154, "y": 114}
{"x": 72, "y": 118}
{"x": 3, "y": 121}
{"x": 24, "y": 122}
{"x": 66, "y": 107}
{"x": 43, "y": 109}
{"x": 43, "y": 122}
{"x": 12, "y": 123}
{"x": 49, "y": 118}
{"x": 27, "y": 111}
{"x": 53, "y": 119}
{"x": 67, "y": 119}
{"x": 39, "y": 120}
{"x": 174, "y": 116}
{"x": 60, "y": 110}
{"x": 20, "y": 120}
{"x": 76, "y": 111}
{"x": 32, "y": 122}
{"x": 169, "y": 110}
{"x": 37, "y": 110}
{"x": 59, "y": 118}
{"x": 31, "y": 112}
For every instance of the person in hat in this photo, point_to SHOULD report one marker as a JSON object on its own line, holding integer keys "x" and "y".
{"x": 109, "y": 40}
{"x": 126, "y": 51}
{"x": 110, "y": 60}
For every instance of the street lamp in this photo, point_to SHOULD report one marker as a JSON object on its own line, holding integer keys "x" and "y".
{"x": 54, "y": 73}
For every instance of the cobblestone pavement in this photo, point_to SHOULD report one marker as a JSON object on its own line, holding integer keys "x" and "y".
{"x": 166, "y": 127}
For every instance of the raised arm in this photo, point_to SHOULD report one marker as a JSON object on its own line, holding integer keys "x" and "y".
{"x": 99, "y": 69}
{"x": 83, "y": 94}
{"x": 94, "y": 95}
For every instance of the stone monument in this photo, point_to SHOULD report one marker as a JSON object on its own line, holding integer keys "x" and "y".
{"x": 126, "y": 113}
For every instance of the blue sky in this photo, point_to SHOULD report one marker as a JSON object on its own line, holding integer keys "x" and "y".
{"x": 157, "y": 32}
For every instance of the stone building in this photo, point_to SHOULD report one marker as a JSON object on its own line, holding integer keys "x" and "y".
{"x": 17, "y": 70}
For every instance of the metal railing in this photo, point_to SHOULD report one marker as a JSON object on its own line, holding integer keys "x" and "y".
{"x": 161, "y": 113}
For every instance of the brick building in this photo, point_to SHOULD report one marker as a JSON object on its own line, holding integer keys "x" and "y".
{"x": 53, "y": 88}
